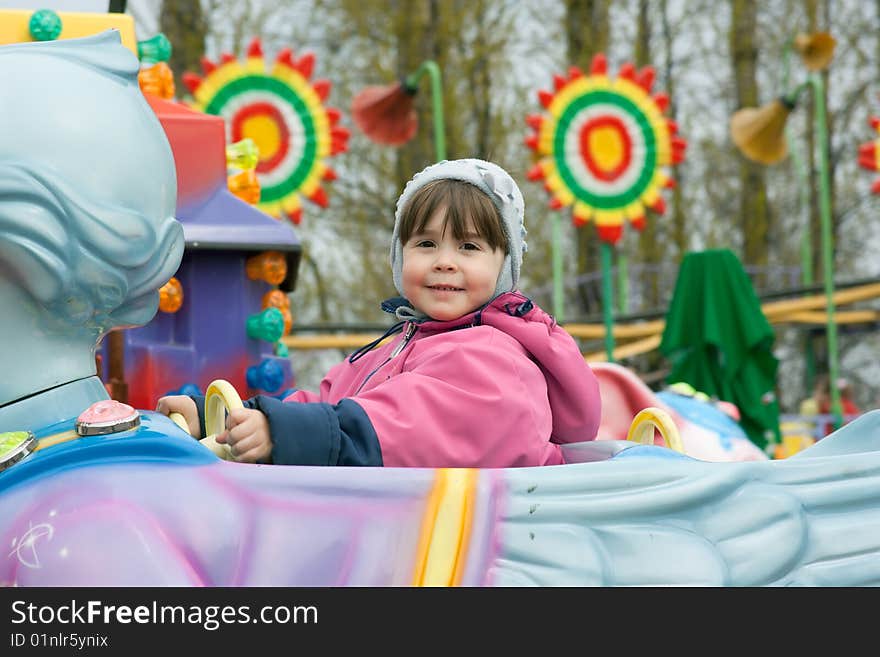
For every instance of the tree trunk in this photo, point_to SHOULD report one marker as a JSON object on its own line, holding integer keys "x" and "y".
{"x": 649, "y": 249}
{"x": 753, "y": 208}
{"x": 815, "y": 222}
{"x": 677, "y": 218}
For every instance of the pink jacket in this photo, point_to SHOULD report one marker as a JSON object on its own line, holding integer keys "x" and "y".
{"x": 501, "y": 387}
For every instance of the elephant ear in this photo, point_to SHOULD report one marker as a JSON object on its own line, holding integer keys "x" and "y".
{"x": 35, "y": 249}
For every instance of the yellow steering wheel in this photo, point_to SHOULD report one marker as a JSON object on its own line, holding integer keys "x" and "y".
{"x": 642, "y": 428}
{"x": 219, "y": 398}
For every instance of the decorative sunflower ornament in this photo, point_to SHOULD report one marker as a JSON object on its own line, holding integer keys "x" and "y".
{"x": 283, "y": 112}
{"x": 604, "y": 146}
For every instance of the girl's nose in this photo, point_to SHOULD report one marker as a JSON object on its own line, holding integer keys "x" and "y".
{"x": 444, "y": 261}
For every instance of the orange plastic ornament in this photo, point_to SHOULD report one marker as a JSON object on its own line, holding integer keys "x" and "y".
{"x": 245, "y": 186}
{"x": 288, "y": 319}
{"x": 276, "y": 299}
{"x": 269, "y": 266}
{"x": 171, "y": 296}
{"x": 157, "y": 80}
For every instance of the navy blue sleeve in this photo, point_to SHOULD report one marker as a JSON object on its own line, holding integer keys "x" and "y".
{"x": 316, "y": 433}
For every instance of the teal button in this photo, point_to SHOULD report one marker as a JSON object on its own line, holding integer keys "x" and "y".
{"x": 44, "y": 25}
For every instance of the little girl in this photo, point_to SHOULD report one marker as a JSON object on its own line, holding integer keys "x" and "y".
{"x": 480, "y": 377}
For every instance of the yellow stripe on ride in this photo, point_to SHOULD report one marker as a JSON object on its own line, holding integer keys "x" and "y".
{"x": 56, "y": 439}
{"x": 446, "y": 528}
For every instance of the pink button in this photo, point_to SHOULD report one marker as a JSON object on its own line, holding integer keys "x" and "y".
{"x": 108, "y": 410}
{"x": 108, "y": 416}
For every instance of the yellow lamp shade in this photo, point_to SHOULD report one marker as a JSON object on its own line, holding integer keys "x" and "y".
{"x": 759, "y": 133}
{"x": 816, "y": 50}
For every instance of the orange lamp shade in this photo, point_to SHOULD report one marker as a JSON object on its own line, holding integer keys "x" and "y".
{"x": 157, "y": 80}
{"x": 269, "y": 266}
{"x": 386, "y": 114}
{"x": 171, "y": 296}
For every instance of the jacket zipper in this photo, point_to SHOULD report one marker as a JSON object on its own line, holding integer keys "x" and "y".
{"x": 410, "y": 332}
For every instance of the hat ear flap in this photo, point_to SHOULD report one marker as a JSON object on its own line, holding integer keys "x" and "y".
{"x": 397, "y": 263}
{"x": 505, "y": 281}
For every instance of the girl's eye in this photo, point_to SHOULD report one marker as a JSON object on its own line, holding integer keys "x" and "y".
{"x": 424, "y": 244}
{"x": 470, "y": 246}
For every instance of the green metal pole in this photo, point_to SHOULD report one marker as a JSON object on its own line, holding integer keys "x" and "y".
{"x": 806, "y": 248}
{"x": 815, "y": 80}
{"x": 412, "y": 82}
{"x": 622, "y": 283}
{"x": 608, "y": 300}
{"x": 804, "y": 200}
{"x": 558, "y": 290}
{"x": 803, "y": 181}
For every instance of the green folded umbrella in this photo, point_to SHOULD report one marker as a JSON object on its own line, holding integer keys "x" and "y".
{"x": 719, "y": 341}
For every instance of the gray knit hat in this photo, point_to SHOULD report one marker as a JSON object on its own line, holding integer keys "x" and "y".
{"x": 497, "y": 184}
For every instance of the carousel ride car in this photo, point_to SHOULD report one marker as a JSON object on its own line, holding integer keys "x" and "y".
{"x": 97, "y": 493}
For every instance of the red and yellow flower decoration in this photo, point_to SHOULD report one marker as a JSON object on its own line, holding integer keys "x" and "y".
{"x": 869, "y": 154}
{"x": 604, "y": 146}
{"x": 283, "y": 112}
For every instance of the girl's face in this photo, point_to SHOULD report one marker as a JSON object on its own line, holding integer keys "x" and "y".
{"x": 445, "y": 277}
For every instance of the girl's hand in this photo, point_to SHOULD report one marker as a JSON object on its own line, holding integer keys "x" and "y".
{"x": 186, "y": 407}
{"x": 247, "y": 434}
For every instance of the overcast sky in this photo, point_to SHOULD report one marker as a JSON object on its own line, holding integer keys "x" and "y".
{"x": 146, "y": 16}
